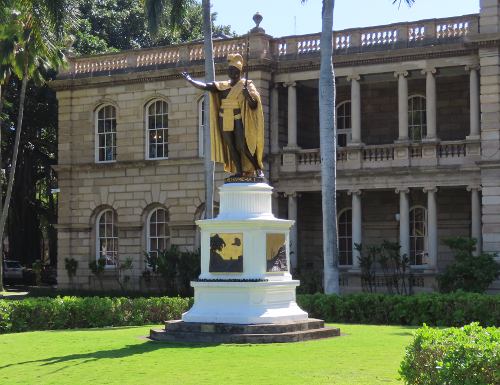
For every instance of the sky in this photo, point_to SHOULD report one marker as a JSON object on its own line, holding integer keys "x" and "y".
{"x": 290, "y": 17}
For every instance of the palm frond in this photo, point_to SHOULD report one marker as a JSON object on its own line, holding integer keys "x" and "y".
{"x": 155, "y": 14}
{"x": 409, "y": 3}
{"x": 178, "y": 12}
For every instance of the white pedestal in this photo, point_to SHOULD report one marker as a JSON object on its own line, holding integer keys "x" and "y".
{"x": 243, "y": 279}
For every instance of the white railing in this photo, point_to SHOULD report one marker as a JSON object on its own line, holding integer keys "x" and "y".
{"x": 158, "y": 57}
{"x": 378, "y": 153}
{"x": 382, "y": 36}
{"x": 372, "y": 37}
{"x": 101, "y": 64}
{"x": 452, "y": 29}
{"x": 379, "y": 37}
{"x": 313, "y": 156}
{"x": 452, "y": 149}
{"x": 306, "y": 157}
{"x": 377, "y": 156}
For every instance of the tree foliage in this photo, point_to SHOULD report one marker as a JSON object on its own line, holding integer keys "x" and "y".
{"x": 468, "y": 272}
{"x": 110, "y": 25}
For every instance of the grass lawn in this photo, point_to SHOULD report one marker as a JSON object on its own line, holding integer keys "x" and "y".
{"x": 367, "y": 355}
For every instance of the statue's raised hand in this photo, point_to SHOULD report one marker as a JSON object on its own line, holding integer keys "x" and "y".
{"x": 186, "y": 76}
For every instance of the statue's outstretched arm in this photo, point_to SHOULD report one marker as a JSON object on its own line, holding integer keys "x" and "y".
{"x": 197, "y": 84}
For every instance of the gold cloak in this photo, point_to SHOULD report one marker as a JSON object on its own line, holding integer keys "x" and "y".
{"x": 253, "y": 123}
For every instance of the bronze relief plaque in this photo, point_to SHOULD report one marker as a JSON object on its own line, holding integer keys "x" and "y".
{"x": 276, "y": 253}
{"x": 226, "y": 253}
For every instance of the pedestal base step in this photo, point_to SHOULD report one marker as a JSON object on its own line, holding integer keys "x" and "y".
{"x": 194, "y": 332}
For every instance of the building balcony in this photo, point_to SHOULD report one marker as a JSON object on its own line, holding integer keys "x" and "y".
{"x": 361, "y": 157}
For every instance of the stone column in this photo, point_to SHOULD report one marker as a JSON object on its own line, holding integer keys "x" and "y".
{"x": 274, "y": 120}
{"x": 292, "y": 116}
{"x": 404, "y": 220}
{"x": 432, "y": 227}
{"x": 357, "y": 236}
{"x": 475, "y": 217}
{"x": 430, "y": 102}
{"x": 402, "y": 104}
{"x": 292, "y": 214}
{"x": 355, "y": 109}
{"x": 475, "y": 117}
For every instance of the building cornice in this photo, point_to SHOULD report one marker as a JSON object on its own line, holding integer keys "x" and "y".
{"x": 126, "y": 164}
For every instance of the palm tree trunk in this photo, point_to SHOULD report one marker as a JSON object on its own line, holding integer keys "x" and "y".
{"x": 10, "y": 184}
{"x": 328, "y": 151}
{"x": 1, "y": 191}
{"x": 5, "y": 82}
{"x": 209, "y": 77}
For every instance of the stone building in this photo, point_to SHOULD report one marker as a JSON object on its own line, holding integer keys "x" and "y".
{"x": 418, "y": 118}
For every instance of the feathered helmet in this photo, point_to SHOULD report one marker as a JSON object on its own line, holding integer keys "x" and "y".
{"x": 235, "y": 60}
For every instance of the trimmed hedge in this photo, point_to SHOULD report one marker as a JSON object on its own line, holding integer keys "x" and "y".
{"x": 455, "y": 309}
{"x": 465, "y": 356}
{"x": 87, "y": 312}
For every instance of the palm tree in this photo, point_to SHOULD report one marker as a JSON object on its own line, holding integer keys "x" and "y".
{"x": 164, "y": 14}
{"x": 156, "y": 16}
{"x": 328, "y": 147}
{"x": 5, "y": 50}
{"x": 328, "y": 151}
{"x": 209, "y": 77}
{"x": 30, "y": 35}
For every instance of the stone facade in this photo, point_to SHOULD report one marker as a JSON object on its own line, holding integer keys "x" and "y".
{"x": 442, "y": 73}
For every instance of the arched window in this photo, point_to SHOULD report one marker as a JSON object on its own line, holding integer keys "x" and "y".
{"x": 345, "y": 237}
{"x": 157, "y": 129}
{"x": 158, "y": 236}
{"x": 418, "y": 235}
{"x": 107, "y": 237}
{"x": 417, "y": 117}
{"x": 106, "y": 134}
{"x": 201, "y": 125}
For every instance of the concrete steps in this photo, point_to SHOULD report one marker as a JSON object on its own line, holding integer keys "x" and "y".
{"x": 194, "y": 332}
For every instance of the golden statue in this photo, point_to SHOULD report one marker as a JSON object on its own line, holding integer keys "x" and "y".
{"x": 236, "y": 121}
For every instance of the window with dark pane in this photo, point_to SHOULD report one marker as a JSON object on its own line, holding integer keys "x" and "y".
{"x": 343, "y": 123}
{"x": 157, "y": 129}
{"x": 418, "y": 235}
{"x": 417, "y": 126}
{"x": 158, "y": 237}
{"x": 345, "y": 237}
{"x": 106, "y": 134}
{"x": 107, "y": 237}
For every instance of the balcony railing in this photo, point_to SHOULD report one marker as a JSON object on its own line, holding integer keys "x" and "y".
{"x": 461, "y": 152}
{"x": 398, "y": 35}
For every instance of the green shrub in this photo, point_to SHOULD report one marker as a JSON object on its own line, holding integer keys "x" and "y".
{"x": 70, "y": 312}
{"x": 173, "y": 269}
{"x": 455, "y": 309}
{"x": 87, "y": 312}
{"x": 466, "y": 356}
{"x": 467, "y": 272}
{"x": 71, "y": 266}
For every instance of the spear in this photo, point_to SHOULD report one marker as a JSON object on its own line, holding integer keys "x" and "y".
{"x": 247, "y": 58}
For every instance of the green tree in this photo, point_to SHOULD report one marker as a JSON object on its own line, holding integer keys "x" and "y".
{"x": 35, "y": 29}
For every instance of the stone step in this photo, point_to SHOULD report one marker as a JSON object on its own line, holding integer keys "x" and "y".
{"x": 215, "y": 338}
{"x": 225, "y": 328}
